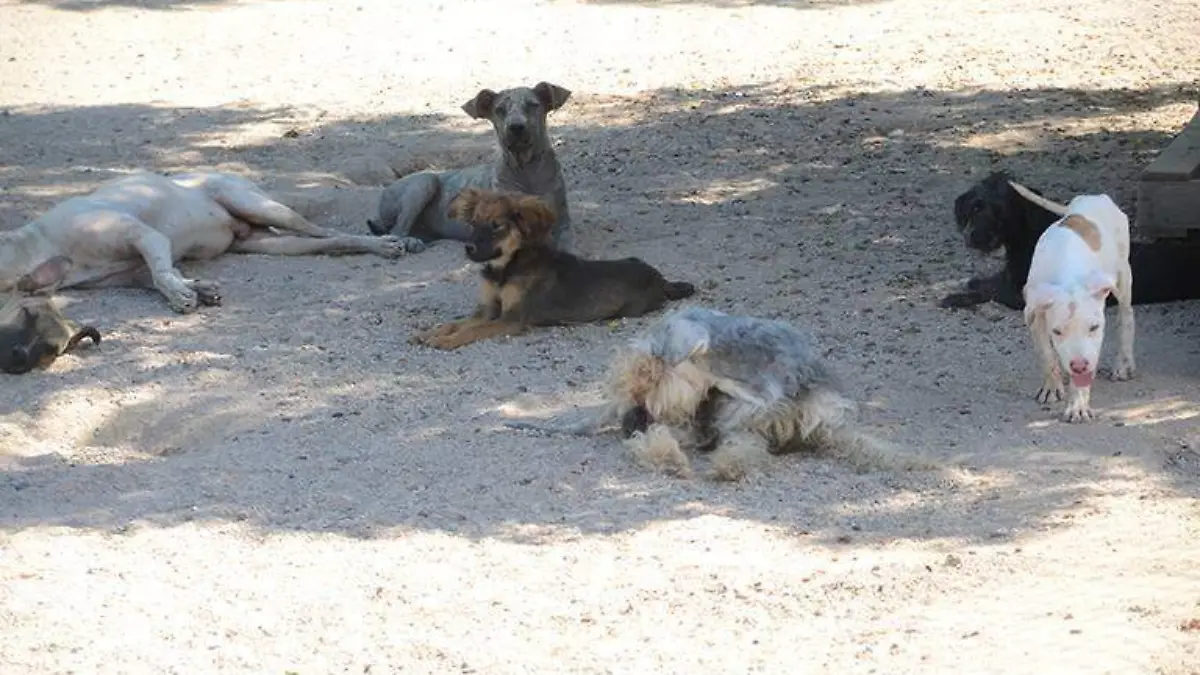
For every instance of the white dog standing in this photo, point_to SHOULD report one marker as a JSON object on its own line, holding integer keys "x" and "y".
{"x": 132, "y": 230}
{"x": 1077, "y": 263}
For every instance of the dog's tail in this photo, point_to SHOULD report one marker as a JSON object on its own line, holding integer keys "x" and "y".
{"x": 865, "y": 452}
{"x": 678, "y": 290}
{"x": 595, "y": 420}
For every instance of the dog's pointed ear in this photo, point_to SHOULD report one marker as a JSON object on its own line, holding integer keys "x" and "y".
{"x": 551, "y": 95}
{"x": 462, "y": 207}
{"x": 480, "y": 107}
{"x": 535, "y": 217}
{"x": 1099, "y": 284}
{"x": 50, "y": 273}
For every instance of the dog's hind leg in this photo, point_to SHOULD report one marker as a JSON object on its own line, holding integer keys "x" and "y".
{"x": 254, "y": 207}
{"x": 401, "y": 205}
{"x": 1125, "y": 367}
{"x": 340, "y": 244}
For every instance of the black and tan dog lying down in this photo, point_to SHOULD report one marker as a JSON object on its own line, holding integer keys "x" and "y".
{"x": 526, "y": 281}
{"x": 33, "y": 332}
{"x": 999, "y": 212}
{"x": 736, "y": 388}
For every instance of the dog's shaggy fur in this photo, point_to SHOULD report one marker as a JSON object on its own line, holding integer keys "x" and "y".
{"x": 750, "y": 388}
{"x": 993, "y": 214}
{"x": 528, "y": 282}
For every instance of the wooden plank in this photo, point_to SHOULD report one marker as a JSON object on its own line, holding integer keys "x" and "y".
{"x": 1168, "y": 208}
{"x": 1181, "y": 159}
{"x": 1168, "y": 195}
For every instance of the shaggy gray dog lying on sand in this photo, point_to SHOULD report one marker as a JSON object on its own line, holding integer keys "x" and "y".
{"x": 739, "y": 387}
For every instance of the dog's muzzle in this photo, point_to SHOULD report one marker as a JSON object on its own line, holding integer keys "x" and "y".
{"x": 18, "y": 361}
{"x": 517, "y": 138}
{"x": 479, "y": 254}
{"x": 979, "y": 240}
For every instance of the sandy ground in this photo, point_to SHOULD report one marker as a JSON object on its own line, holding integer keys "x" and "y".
{"x": 283, "y": 484}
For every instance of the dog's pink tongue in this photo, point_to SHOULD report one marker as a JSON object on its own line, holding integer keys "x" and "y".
{"x": 1081, "y": 380}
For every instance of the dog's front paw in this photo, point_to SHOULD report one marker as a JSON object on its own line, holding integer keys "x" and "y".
{"x": 1124, "y": 370}
{"x": 1050, "y": 389}
{"x": 962, "y": 300}
{"x": 424, "y": 337}
{"x": 447, "y": 342}
{"x": 183, "y": 300}
{"x": 390, "y": 246}
{"x": 413, "y": 245}
{"x": 1077, "y": 412}
{"x": 208, "y": 293}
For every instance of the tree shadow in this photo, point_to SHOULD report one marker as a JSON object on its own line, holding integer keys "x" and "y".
{"x": 367, "y": 436}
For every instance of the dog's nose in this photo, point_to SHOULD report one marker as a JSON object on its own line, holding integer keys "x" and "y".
{"x": 470, "y": 249}
{"x": 19, "y": 356}
{"x": 516, "y": 128}
{"x": 1079, "y": 366}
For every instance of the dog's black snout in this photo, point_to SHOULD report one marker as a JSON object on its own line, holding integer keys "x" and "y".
{"x": 516, "y": 128}
{"x": 18, "y": 360}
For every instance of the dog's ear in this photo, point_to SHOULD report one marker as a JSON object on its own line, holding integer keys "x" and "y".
{"x": 462, "y": 207}
{"x": 1040, "y": 296}
{"x": 551, "y": 95}
{"x": 480, "y": 107}
{"x": 50, "y": 273}
{"x": 535, "y": 218}
{"x": 1099, "y": 284}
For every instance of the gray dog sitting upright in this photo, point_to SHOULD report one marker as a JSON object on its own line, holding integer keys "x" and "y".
{"x": 417, "y": 204}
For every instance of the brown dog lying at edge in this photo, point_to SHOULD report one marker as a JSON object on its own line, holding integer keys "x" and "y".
{"x": 33, "y": 332}
{"x": 527, "y": 282}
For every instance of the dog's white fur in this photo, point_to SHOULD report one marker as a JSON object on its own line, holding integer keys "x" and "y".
{"x": 132, "y": 230}
{"x": 1065, "y": 295}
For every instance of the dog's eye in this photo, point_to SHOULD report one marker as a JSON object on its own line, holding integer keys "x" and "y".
{"x": 501, "y": 110}
{"x": 1093, "y": 328}
{"x": 497, "y": 227}
{"x": 1057, "y": 332}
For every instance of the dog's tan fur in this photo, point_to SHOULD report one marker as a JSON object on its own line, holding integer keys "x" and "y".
{"x": 526, "y": 282}
{"x": 1086, "y": 230}
{"x": 749, "y": 435}
{"x": 660, "y": 448}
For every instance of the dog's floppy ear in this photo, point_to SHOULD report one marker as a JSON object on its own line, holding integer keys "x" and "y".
{"x": 1040, "y": 296}
{"x": 49, "y": 273}
{"x": 551, "y": 95}
{"x": 462, "y": 207}
{"x": 534, "y": 217}
{"x": 480, "y": 107}
{"x": 1099, "y": 284}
